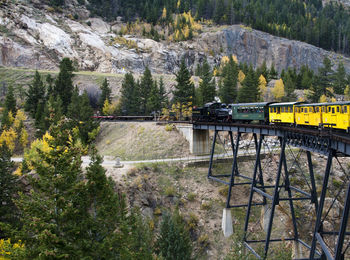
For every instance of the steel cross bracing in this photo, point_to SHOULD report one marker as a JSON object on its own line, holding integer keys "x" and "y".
{"x": 282, "y": 190}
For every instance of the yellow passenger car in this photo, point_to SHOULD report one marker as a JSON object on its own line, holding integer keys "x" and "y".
{"x": 282, "y": 113}
{"x": 308, "y": 114}
{"x": 336, "y": 115}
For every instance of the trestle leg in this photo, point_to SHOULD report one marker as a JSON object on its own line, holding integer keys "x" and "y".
{"x": 318, "y": 226}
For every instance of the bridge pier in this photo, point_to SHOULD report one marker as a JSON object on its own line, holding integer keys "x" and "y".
{"x": 198, "y": 139}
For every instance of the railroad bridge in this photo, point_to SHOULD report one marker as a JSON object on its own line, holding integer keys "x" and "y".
{"x": 292, "y": 146}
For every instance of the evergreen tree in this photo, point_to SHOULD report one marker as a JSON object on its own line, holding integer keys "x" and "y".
{"x": 272, "y": 73}
{"x": 81, "y": 114}
{"x": 64, "y": 83}
{"x": 10, "y": 101}
{"x": 219, "y": 11}
{"x": 340, "y": 81}
{"x": 129, "y": 96}
{"x": 154, "y": 100}
{"x": 164, "y": 102}
{"x": 105, "y": 94}
{"x": 35, "y": 95}
{"x": 206, "y": 84}
{"x": 174, "y": 241}
{"x": 50, "y": 82}
{"x": 9, "y": 187}
{"x": 249, "y": 92}
{"x": 146, "y": 86}
{"x": 262, "y": 70}
{"x": 307, "y": 77}
{"x": 324, "y": 79}
{"x": 228, "y": 86}
{"x": 55, "y": 211}
{"x": 289, "y": 87}
{"x": 67, "y": 215}
{"x": 184, "y": 89}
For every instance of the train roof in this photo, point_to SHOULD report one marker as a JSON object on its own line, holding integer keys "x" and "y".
{"x": 335, "y": 103}
{"x": 286, "y": 104}
{"x": 325, "y": 104}
{"x": 257, "y": 104}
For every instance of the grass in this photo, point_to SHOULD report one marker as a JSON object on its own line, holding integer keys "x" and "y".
{"x": 133, "y": 141}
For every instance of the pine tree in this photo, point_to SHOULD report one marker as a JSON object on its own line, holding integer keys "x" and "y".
{"x": 249, "y": 92}
{"x": 174, "y": 242}
{"x": 73, "y": 215}
{"x": 146, "y": 86}
{"x": 64, "y": 83}
{"x": 10, "y": 101}
{"x": 81, "y": 114}
{"x": 272, "y": 73}
{"x": 289, "y": 87}
{"x": 206, "y": 85}
{"x": 164, "y": 102}
{"x": 55, "y": 211}
{"x": 35, "y": 95}
{"x": 184, "y": 89}
{"x": 228, "y": 86}
{"x": 324, "y": 79}
{"x": 9, "y": 218}
{"x": 154, "y": 100}
{"x": 130, "y": 96}
{"x": 340, "y": 81}
{"x": 105, "y": 94}
{"x": 50, "y": 81}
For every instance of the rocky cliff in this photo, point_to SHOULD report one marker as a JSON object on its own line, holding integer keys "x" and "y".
{"x": 32, "y": 37}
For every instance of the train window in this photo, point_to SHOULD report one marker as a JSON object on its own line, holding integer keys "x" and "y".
{"x": 333, "y": 110}
{"x": 329, "y": 109}
{"x": 282, "y": 109}
{"x": 337, "y": 109}
{"x": 317, "y": 109}
{"x": 311, "y": 110}
{"x": 345, "y": 109}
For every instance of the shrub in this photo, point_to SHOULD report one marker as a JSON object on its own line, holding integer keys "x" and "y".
{"x": 223, "y": 191}
{"x": 174, "y": 240}
{"x": 170, "y": 191}
{"x": 169, "y": 127}
{"x": 191, "y": 196}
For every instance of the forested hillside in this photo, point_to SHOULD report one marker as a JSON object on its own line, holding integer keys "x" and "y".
{"x": 326, "y": 26}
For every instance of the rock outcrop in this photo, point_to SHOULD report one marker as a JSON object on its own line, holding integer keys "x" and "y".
{"x": 31, "y": 37}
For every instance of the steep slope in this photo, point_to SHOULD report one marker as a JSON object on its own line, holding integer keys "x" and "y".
{"x": 34, "y": 38}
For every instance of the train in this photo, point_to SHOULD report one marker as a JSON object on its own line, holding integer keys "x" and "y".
{"x": 334, "y": 115}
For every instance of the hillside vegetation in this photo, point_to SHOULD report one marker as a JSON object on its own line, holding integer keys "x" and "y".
{"x": 323, "y": 25}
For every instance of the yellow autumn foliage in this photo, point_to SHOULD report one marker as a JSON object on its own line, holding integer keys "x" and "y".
{"x": 347, "y": 93}
{"x": 224, "y": 60}
{"x": 32, "y": 155}
{"x": 23, "y": 138}
{"x": 20, "y": 117}
{"x": 7, "y": 249}
{"x": 184, "y": 25}
{"x": 262, "y": 87}
{"x": 323, "y": 98}
{"x": 241, "y": 76}
{"x": 8, "y": 136}
{"x": 109, "y": 108}
{"x": 278, "y": 90}
{"x": 164, "y": 13}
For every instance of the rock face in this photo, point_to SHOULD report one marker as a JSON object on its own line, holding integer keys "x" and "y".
{"x": 31, "y": 37}
{"x": 254, "y": 47}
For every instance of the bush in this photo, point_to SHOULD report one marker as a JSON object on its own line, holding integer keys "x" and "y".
{"x": 191, "y": 196}
{"x": 174, "y": 240}
{"x": 170, "y": 191}
{"x": 169, "y": 127}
